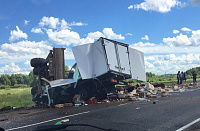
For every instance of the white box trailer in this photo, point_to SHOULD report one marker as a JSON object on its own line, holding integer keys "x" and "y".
{"x": 104, "y": 55}
{"x": 99, "y": 67}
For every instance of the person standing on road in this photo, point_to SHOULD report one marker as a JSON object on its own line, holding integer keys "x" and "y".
{"x": 178, "y": 77}
{"x": 181, "y": 77}
{"x": 184, "y": 76}
{"x": 194, "y": 77}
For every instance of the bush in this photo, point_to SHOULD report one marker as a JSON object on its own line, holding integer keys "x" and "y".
{"x": 4, "y": 86}
{"x": 20, "y": 86}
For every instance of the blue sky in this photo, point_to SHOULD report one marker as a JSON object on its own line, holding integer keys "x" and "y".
{"x": 167, "y": 31}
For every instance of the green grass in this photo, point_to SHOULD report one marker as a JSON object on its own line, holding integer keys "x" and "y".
{"x": 18, "y": 97}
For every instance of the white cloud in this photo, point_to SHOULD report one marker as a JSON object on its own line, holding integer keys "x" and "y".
{"x": 95, "y": 35}
{"x": 180, "y": 40}
{"x": 109, "y": 33}
{"x": 145, "y": 37}
{"x": 63, "y": 37}
{"x": 37, "y": 30}
{"x": 10, "y": 69}
{"x": 17, "y": 34}
{"x": 184, "y": 40}
{"x": 148, "y": 65}
{"x": 49, "y": 21}
{"x": 26, "y": 47}
{"x": 141, "y": 44}
{"x": 175, "y": 31}
{"x": 64, "y": 24}
{"x": 171, "y": 63}
{"x": 68, "y": 37}
{"x": 130, "y": 7}
{"x": 26, "y": 22}
{"x": 162, "y": 6}
{"x": 129, "y": 34}
{"x": 77, "y": 24}
{"x": 186, "y": 29}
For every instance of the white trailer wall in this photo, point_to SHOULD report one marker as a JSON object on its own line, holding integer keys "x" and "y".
{"x": 137, "y": 64}
{"x": 90, "y": 59}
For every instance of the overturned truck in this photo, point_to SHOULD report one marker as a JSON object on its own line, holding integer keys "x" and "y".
{"x": 99, "y": 67}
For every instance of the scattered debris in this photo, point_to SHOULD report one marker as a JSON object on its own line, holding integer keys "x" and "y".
{"x": 92, "y": 100}
{"x": 137, "y": 108}
{"x": 59, "y": 105}
{"x": 68, "y": 104}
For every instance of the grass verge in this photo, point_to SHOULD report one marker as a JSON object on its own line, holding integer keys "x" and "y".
{"x": 18, "y": 97}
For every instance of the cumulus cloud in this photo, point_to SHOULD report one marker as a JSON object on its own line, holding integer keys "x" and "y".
{"x": 171, "y": 62}
{"x": 145, "y": 37}
{"x": 141, "y": 44}
{"x": 49, "y": 21}
{"x": 175, "y": 31}
{"x": 180, "y": 40}
{"x": 184, "y": 40}
{"x": 162, "y": 6}
{"x": 68, "y": 37}
{"x": 186, "y": 29}
{"x": 37, "y": 30}
{"x": 17, "y": 34}
{"x": 26, "y": 22}
{"x": 63, "y": 37}
{"x": 10, "y": 69}
{"x": 130, "y": 7}
{"x": 26, "y": 47}
{"x": 109, "y": 33}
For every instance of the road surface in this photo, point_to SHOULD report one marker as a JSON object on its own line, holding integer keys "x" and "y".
{"x": 180, "y": 111}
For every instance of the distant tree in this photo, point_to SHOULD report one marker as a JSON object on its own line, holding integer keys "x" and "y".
{"x": 13, "y": 80}
{"x": 5, "y": 79}
{"x": 33, "y": 79}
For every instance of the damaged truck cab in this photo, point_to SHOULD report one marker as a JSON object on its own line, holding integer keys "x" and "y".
{"x": 99, "y": 67}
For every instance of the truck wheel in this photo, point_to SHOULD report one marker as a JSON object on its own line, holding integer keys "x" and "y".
{"x": 35, "y": 71}
{"x": 101, "y": 95}
{"x": 84, "y": 94}
{"x": 34, "y": 90}
{"x": 35, "y": 62}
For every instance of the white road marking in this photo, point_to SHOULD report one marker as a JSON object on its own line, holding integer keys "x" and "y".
{"x": 47, "y": 121}
{"x": 188, "y": 125}
{"x": 123, "y": 104}
{"x": 66, "y": 120}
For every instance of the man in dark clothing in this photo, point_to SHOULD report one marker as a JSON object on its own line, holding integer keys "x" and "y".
{"x": 178, "y": 77}
{"x": 194, "y": 77}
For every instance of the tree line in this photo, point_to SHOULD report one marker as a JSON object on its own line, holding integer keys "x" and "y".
{"x": 18, "y": 80}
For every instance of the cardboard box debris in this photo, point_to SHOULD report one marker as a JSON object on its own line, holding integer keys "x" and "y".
{"x": 165, "y": 94}
{"x": 153, "y": 96}
{"x": 68, "y": 104}
{"x": 141, "y": 95}
{"x": 59, "y": 105}
{"x": 132, "y": 99}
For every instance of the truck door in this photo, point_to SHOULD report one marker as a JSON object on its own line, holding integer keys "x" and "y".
{"x": 123, "y": 59}
{"x": 111, "y": 55}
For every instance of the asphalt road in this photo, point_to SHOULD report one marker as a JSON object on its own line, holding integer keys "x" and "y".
{"x": 167, "y": 114}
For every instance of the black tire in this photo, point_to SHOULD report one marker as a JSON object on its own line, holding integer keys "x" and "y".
{"x": 84, "y": 94}
{"x": 35, "y": 62}
{"x": 34, "y": 90}
{"x": 101, "y": 95}
{"x": 35, "y": 71}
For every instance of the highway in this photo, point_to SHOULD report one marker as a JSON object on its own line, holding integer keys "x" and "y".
{"x": 178, "y": 112}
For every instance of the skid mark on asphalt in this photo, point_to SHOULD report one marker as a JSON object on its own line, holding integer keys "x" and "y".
{"x": 188, "y": 125}
{"x": 47, "y": 121}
